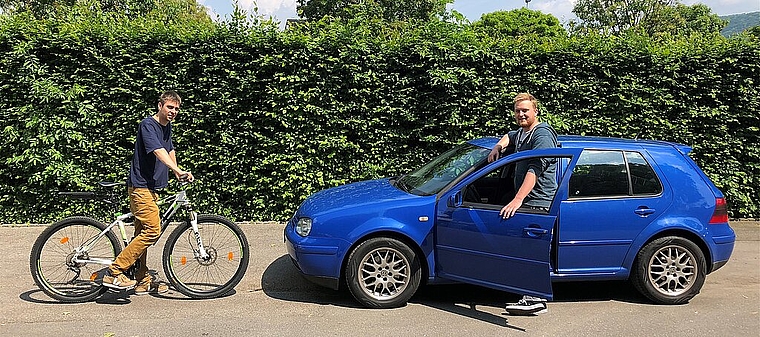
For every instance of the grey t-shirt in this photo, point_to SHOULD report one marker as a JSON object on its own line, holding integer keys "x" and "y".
{"x": 542, "y": 136}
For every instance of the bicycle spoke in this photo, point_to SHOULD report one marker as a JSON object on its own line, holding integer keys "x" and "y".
{"x": 207, "y": 276}
{"x": 53, "y": 265}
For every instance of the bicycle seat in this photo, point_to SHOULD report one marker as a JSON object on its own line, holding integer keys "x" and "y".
{"x": 111, "y": 184}
{"x": 79, "y": 195}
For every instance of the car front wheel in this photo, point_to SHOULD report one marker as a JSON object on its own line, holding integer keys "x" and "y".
{"x": 383, "y": 273}
{"x": 669, "y": 270}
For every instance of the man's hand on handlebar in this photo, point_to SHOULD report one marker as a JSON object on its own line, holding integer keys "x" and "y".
{"x": 185, "y": 176}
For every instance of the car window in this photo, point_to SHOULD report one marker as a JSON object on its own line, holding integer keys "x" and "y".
{"x": 498, "y": 187}
{"x": 643, "y": 179}
{"x": 439, "y": 172}
{"x": 599, "y": 174}
{"x": 492, "y": 188}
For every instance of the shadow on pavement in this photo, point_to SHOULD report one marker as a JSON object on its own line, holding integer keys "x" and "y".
{"x": 109, "y": 297}
{"x": 620, "y": 291}
{"x": 468, "y": 301}
{"x": 114, "y": 296}
{"x": 592, "y": 291}
{"x": 281, "y": 280}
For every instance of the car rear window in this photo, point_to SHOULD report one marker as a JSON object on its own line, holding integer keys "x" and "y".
{"x": 643, "y": 179}
{"x": 600, "y": 173}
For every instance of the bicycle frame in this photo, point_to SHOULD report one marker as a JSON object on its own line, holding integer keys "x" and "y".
{"x": 179, "y": 200}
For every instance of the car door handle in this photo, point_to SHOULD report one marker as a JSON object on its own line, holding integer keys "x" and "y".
{"x": 644, "y": 211}
{"x": 535, "y": 232}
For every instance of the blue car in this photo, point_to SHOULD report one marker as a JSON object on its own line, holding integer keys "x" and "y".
{"x": 623, "y": 209}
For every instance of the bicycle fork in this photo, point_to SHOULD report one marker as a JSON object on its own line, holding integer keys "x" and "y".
{"x": 201, "y": 253}
{"x": 182, "y": 201}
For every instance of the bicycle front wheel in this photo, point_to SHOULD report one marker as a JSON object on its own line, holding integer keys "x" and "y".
{"x": 62, "y": 272}
{"x": 216, "y": 275}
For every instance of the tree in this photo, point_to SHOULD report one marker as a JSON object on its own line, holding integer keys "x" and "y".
{"x": 165, "y": 10}
{"x": 616, "y": 16}
{"x": 684, "y": 20}
{"x": 656, "y": 18}
{"x": 39, "y": 8}
{"x": 519, "y": 22}
{"x": 390, "y": 10}
{"x": 178, "y": 11}
{"x": 754, "y": 31}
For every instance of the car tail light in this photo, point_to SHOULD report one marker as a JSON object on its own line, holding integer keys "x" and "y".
{"x": 721, "y": 212}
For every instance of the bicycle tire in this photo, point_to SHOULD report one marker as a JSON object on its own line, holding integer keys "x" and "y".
{"x": 52, "y": 270}
{"x": 196, "y": 278}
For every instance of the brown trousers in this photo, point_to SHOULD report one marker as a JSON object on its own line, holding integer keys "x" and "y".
{"x": 142, "y": 204}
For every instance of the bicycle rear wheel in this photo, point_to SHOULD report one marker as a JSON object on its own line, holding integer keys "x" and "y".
{"x": 52, "y": 259}
{"x": 228, "y": 257}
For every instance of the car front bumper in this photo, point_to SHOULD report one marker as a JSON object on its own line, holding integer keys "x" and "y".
{"x": 318, "y": 261}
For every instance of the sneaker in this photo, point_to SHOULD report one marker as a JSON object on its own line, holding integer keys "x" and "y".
{"x": 527, "y": 306}
{"x": 121, "y": 282}
{"x": 151, "y": 287}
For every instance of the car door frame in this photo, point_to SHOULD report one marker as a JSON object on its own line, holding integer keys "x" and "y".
{"x": 529, "y": 234}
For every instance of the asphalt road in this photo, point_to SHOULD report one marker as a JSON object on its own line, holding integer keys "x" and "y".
{"x": 274, "y": 300}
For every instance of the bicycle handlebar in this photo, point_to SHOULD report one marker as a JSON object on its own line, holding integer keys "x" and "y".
{"x": 185, "y": 178}
{"x": 111, "y": 196}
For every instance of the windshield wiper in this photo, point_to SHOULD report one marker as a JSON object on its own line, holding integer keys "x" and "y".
{"x": 403, "y": 185}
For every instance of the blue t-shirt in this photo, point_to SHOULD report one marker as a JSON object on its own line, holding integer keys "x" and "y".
{"x": 146, "y": 170}
{"x": 542, "y": 136}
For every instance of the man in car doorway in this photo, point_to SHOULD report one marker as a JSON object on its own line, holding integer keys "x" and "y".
{"x": 535, "y": 178}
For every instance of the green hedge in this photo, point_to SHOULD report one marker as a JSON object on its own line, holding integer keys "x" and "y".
{"x": 269, "y": 117}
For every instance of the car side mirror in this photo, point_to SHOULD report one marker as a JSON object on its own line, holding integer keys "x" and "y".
{"x": 455, "y": 200}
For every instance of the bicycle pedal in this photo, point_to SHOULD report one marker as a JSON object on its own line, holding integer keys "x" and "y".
{"x": 97, "y": 276}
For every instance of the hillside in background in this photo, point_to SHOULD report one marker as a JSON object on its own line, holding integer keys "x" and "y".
{"x": 737, "y": 23}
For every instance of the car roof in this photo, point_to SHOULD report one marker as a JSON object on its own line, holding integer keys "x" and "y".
{"x": 572, "y": 141}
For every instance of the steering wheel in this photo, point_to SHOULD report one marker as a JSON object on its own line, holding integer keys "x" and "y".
{"x": 471, "y": 194}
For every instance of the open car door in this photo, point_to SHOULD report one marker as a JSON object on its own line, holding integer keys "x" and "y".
{"x": 475, "y": 245}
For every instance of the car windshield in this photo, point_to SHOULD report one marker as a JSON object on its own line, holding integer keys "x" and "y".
{"x": 435, "y": 175}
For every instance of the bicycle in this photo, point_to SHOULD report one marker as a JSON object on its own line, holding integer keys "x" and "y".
{"x": 205, "y": 256}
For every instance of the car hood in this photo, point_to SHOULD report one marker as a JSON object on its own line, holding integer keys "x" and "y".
{"x": 366, "y": 194}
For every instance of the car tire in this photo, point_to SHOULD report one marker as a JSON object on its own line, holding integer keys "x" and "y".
{"x": 669, "y": 270}
{"x": 383, "y": 273}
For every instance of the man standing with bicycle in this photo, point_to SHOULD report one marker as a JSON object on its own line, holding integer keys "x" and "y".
{"x": 153, "y": 158}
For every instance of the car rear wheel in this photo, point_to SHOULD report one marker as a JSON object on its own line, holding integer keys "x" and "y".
{"x": 383, "y": 273}
{"x": 669, "y": 270}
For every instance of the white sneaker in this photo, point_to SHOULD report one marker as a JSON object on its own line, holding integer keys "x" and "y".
{"x": 527, "y": 306}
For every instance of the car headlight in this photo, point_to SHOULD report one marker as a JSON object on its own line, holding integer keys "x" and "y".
{"x": 303, "y": 227}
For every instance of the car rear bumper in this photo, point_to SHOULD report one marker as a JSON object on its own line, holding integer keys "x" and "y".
{"x": 722, "y": 254}
{"x": 723, "y": 240}
{"x": 718, "y": 265}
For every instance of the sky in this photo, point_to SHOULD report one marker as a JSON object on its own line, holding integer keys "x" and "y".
{"x": 281, "y": 10}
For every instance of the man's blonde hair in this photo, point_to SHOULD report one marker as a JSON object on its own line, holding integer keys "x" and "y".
{"x": 524, "y": 96}
{"x": 170, "y": 95}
